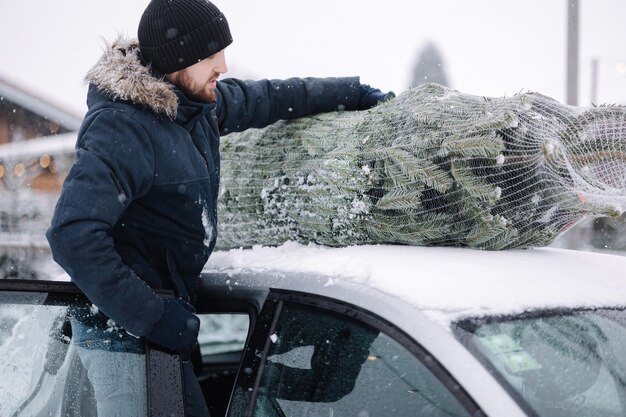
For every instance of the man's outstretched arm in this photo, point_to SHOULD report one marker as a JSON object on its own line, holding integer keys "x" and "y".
{"x": 245, "y": 104}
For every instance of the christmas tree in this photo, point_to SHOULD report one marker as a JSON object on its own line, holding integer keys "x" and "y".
{"x": 431, "y": 167}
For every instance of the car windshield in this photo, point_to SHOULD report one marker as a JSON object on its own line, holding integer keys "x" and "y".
{"x": 569, "y": 363}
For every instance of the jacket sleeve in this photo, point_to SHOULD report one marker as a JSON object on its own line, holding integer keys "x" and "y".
{"x": 245, "y": 104}
{"x": 114, "y": 166}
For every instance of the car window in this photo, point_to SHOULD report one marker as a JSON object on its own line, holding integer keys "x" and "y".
{"x": 44, "y": 372}
{"x": 323, "y": 363}
{"x": 222, "y": 339}
{"x": 222, "y": 333}
{"x": 556, "y": 363}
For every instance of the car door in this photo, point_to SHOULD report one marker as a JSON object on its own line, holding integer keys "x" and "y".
{"x": 41, "y": 371}
{"x": 313, "y": 356}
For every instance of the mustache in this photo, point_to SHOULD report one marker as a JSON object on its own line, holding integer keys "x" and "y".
{"x": 214, "y": 76}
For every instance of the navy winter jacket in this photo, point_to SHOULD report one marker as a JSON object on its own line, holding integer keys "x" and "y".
{"x": 138, "y": 209}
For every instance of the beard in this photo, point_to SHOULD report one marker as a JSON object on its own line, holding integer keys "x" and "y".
{"x": 196, "y": 91}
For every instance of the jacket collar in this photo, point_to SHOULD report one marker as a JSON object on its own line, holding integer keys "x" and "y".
{"x": 189, "y": 111}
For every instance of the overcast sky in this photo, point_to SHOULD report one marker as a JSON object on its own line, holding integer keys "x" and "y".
{"x": 489, "y": 47}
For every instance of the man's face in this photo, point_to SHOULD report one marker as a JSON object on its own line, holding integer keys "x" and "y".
{"x": 199, "y": 80}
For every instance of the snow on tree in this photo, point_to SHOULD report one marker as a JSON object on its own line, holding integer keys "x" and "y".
{"x": 432, "y": 167}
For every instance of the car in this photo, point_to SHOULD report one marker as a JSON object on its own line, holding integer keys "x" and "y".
{"x": 379, "y": 330}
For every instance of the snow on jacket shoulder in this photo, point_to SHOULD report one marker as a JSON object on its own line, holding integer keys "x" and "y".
{"x": 138, "y": 209}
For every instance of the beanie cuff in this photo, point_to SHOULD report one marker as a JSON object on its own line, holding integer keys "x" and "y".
{"x": 191, "y": 47}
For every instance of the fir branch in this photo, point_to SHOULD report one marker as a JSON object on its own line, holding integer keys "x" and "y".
{"x": 400, "y": 199}
{"x": 473, "y": 185}
{"x": 485, "y": 231}
{"x": 485, "y": 146}
{"x": 416, "y": 169}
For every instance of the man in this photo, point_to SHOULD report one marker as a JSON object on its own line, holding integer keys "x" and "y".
{"x": 138, "y": 209}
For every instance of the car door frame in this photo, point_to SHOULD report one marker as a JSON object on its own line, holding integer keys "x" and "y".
{"x": 256, "y": 350}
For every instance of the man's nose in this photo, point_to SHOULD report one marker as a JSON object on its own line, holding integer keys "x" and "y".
{"x": 222, "y": 67}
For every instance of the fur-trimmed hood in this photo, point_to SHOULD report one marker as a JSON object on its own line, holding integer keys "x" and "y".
{"x": 120, "y": 75}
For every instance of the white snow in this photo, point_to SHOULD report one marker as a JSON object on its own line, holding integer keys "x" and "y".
{"x": 535, "y": 199}
{"x": 111, "y": 326}
{"x": 549, "y": 148}
{"x": 93, "y": 309}
{"x": 359, "y": 206}
{"x": 547, "y": 217}
{"x": 449, "y": 283}
{"x": 206, "y": 222}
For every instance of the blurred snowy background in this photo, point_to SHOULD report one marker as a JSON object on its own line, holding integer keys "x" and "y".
{"x": 484, "y": 47}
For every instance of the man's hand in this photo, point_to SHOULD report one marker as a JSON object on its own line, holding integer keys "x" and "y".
{"x": 370, "y": 97}
{"x": 177, "y": 329}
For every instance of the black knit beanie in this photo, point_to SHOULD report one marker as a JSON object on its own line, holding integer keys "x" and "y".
{"x": 174, "y": 34}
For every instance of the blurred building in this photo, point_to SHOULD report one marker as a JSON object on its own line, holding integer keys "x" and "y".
{"x": 24, "y": 117}
{"x": 36, "y": 150}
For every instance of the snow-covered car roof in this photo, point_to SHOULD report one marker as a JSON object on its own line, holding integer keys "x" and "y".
{"x": 445, "y": 283}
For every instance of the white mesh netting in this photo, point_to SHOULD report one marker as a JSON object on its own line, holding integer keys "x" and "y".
{"x": 431, "y": 167}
